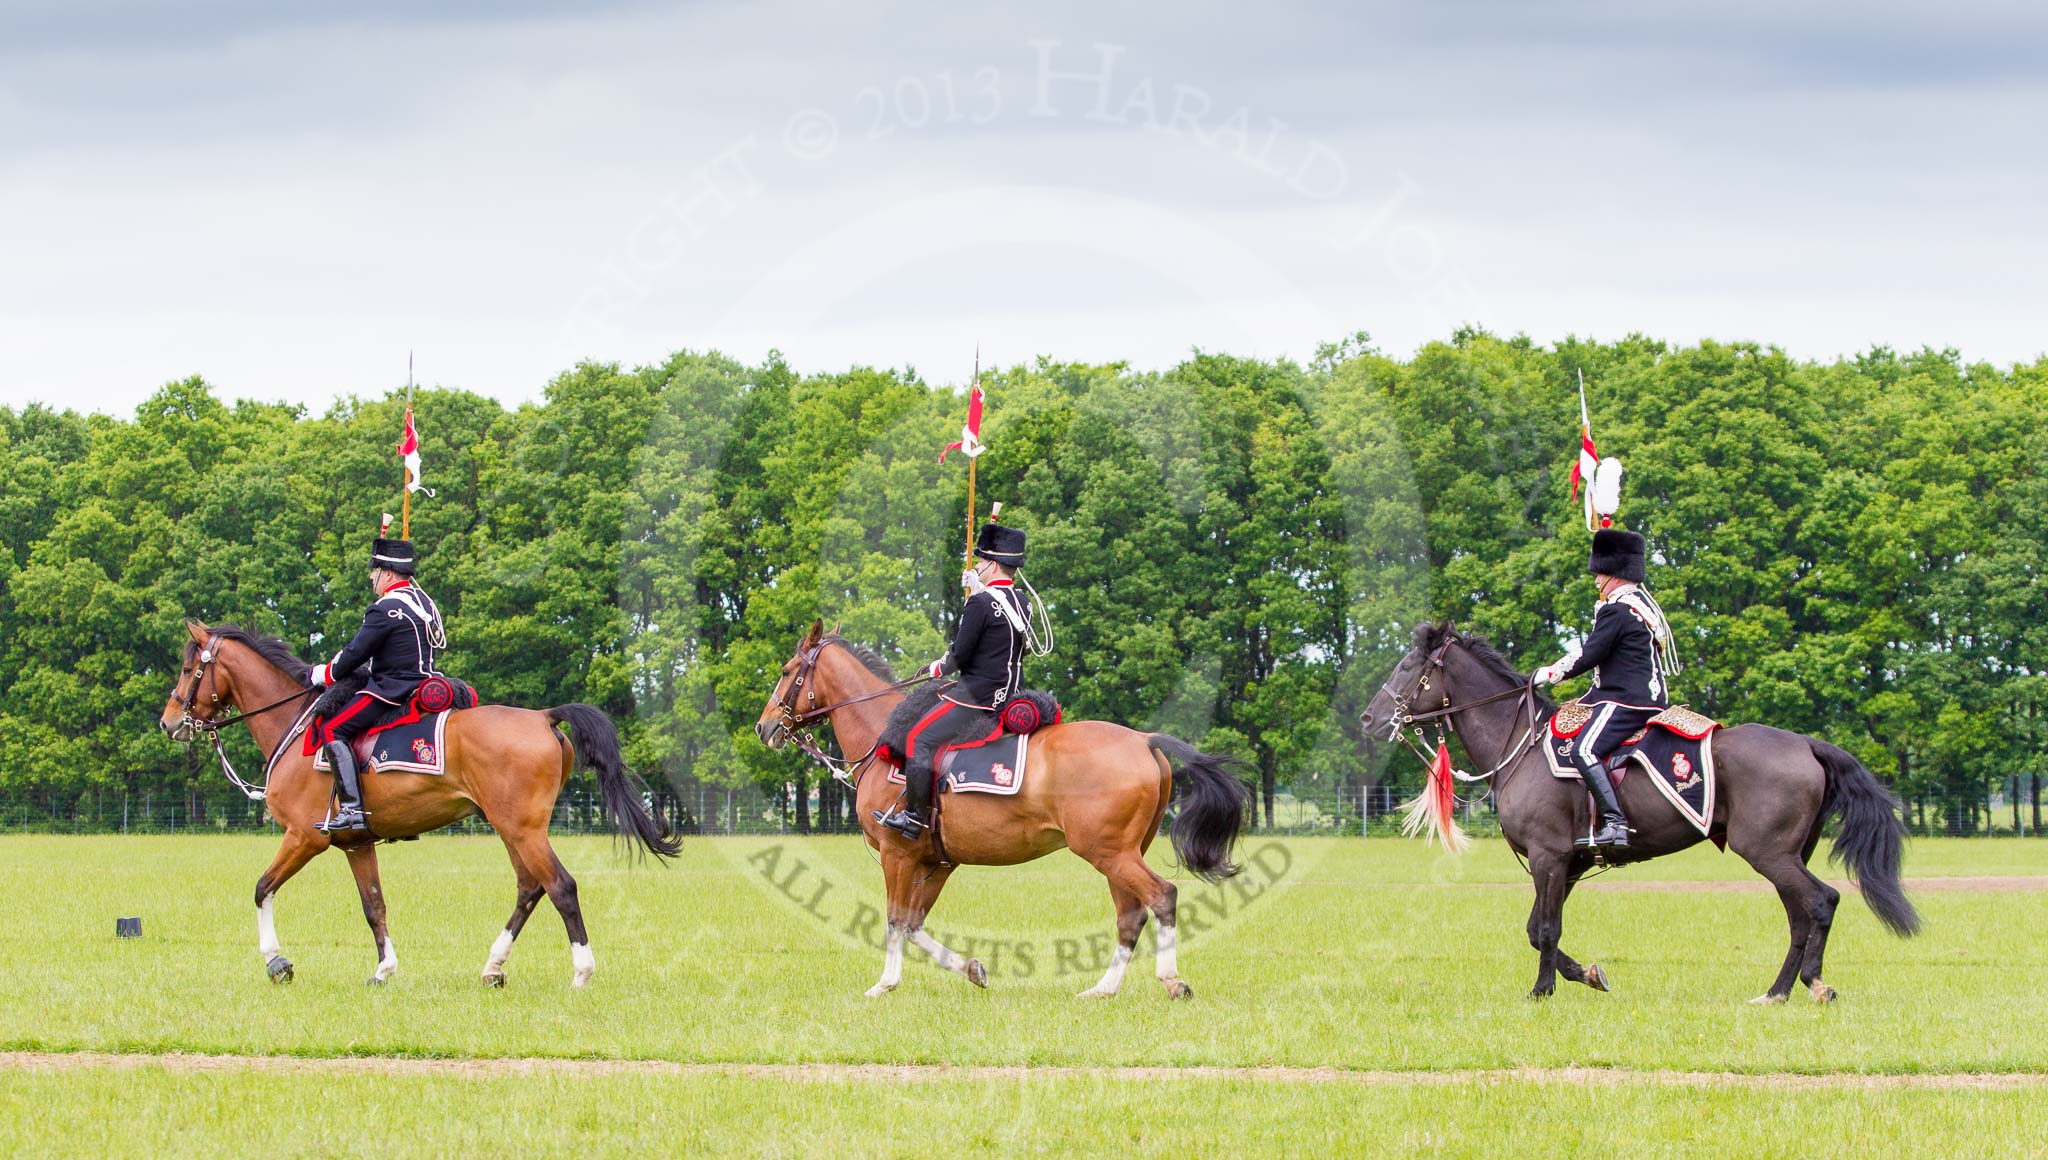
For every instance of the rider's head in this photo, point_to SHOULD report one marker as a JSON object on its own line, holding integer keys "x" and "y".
{"x": 1618, "y": 558}
{"x": 390, "y": 562}
{"x": 998, "y": 551}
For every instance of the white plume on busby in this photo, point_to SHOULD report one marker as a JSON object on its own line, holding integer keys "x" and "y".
{"x": 1606, "y": 490}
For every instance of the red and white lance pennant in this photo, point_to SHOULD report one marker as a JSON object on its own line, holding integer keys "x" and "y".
{"x": 970, "y": 443}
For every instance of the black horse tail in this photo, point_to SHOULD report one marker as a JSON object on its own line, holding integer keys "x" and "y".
{"x": 1213, "y": 804}
{"x": 596, "y": 744}
{"x": 1869, "y": 837}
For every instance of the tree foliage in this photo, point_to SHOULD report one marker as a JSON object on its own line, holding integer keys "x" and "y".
{"x": 1233, "y": 549}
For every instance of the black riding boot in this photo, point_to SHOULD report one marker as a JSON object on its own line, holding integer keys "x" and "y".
{"x": 348, "y": 787}
{"x": 910, "y": 817}
{"x": 1612, "y": 830}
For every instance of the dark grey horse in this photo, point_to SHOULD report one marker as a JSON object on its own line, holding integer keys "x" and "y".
{"x": 1775, "y": 790}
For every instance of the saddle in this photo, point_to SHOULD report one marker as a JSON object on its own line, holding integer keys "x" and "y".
{"x": 992, "y": 760}
{"x": 402, "y": 738}
{"x": 1675, "y": 749}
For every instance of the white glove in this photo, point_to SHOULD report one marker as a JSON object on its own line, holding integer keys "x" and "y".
{"x": 1550, "y": 674}
{"x": 971, "y": 580}
{"x": 938, "y": 669}
{"x": 321, "y": 675}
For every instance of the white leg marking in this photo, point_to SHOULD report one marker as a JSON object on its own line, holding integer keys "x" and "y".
{"x": 1113, "y": 978}
{"x": 892, "y": 963}
{"x": 501, "y": 949}
{"x": 586, "y": 964}
{"x": 950, "y": 959}
{"x": 1169, "y": 961}
{"x": 266, "y": 929}
{"x": 387, "y": 964}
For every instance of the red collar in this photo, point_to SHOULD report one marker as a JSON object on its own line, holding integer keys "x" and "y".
{"x": 402, "y": 582}
{"x": 1001, "y": 584}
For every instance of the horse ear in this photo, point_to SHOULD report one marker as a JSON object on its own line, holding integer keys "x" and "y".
{"x": 198, "y": 631}
{"x": 817, "y": 630}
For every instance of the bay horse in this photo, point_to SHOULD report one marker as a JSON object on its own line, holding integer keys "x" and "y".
{"x": 507, "y": 764}
{"x": 1775, "y": 790}
{"x": 1096, "y": 788}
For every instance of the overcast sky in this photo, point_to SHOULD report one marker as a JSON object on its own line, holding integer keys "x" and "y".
{"x": 285, "y": 198}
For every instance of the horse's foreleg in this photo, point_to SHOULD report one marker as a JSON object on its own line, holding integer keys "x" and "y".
{"x": 1590, "y": 974}
{"x": 362, "y": 862}
{"x": 923, "y": 895}
{"x": 897, "y": 871}
{"x": 297, "y": 850}
{"x": 1546, "y": 920}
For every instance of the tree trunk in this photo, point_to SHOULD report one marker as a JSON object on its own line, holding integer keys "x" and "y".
{"x": 1266, "y": 787}
{"x": 803, "y": 803}
{"x": 2016, "y": 804}
{"x": 2034, "y": 791}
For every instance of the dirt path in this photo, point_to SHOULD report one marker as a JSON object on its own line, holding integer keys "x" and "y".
{"x": 914, "y": 1073}
{"x": 1618, "y": 880}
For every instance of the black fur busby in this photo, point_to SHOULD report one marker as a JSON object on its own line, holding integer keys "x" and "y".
{"x": 1617, "y": 553}
{"x": 393, "y": 556}
{"x": 1003, "y": 545}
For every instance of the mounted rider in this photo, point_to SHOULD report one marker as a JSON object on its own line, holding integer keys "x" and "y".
{"x": 988, "y": 652}
{"x": 1630, "y": 653}
{"x": 401, "y": 634}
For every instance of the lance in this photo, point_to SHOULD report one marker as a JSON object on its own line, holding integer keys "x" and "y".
{"x": 405, "y": 472}
{"x": 972, "y": 459}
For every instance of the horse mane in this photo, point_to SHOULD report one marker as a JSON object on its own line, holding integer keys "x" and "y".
{"x": 1429, "y": 636}
{"x": 270, "y": 648}
{"x": 869, "y": 658}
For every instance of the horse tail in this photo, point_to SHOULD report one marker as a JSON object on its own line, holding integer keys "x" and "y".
{"x": 1869, "y": 838}
{"x": 596, "y": 744}
{"x": 1213, "y": 803}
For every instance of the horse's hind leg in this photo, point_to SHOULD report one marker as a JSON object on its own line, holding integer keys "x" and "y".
{"x": 538, "y": 856}
{"x": 297, "y": 850}
{"x": 923, "y": 893}
{"x": 530, "y": 892}
{"x": 1801, "y": 893}
{"x": 362, "y": 862}
{"x": 1137, "y": 892}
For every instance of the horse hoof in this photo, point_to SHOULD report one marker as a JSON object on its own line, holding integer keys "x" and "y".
{"x": 879, "y": 990}
{"x": 495, "y": 980}
{"x": 1095, "y": 993}
{"x": 1767, "y": 1001}
{"x": 373, "y": 981}
{"x": 581, "y": 981}
{"x": 976, "y": 973}
{"x": 1596, "y": 978}
{"x": 1176, "y": 989}
{"x": 280, "y": 969}
{"x": 1538, "y": 996}
{"x": 1822, "y": 993}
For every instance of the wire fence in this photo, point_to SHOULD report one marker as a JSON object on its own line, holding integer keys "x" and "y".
{"x": 699, "y": 808}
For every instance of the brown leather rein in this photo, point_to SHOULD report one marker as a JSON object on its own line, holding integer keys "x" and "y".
{"x": 797, "y": 726}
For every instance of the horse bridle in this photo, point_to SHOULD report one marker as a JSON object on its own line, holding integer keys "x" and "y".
{"x": 1404, "y": 718}
{"x": 797, "y": 726}
{"x": 209, "y": 653}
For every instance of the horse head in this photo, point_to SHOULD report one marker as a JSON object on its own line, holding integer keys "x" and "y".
{"x": 1419, "y": 674}
{"x": 796, "y": 691}
{"x": 203, "y": 686}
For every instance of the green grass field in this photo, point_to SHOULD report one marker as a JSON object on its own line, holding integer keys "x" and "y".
{"x": 1365, "y": 955}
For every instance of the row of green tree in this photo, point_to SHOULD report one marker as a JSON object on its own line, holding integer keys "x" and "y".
{"x": 1234, "y": 550}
